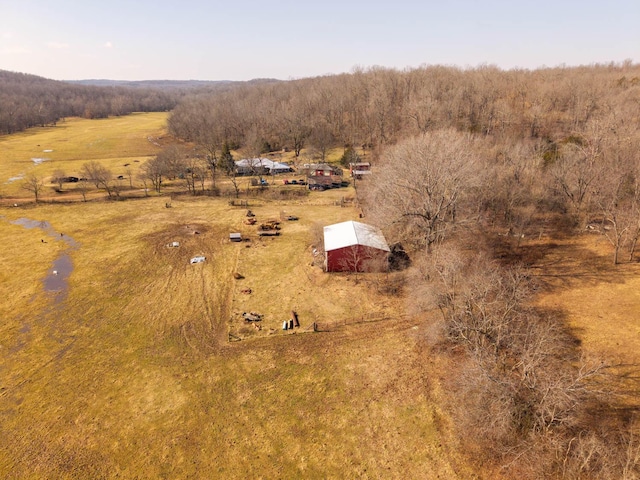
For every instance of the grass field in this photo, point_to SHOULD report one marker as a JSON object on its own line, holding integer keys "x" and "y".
{"x": 129, "y": 373}
{"x": 67, "y": 146}
{"x": 601, "y": 300}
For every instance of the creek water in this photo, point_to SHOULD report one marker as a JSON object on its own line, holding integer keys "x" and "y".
{"x": 58, "y": 275}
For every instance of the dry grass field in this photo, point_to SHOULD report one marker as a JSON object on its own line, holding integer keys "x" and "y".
{"x": 128, "y": 371}
{"x": 599, "y": 300}
{"x": 113, "y": 142}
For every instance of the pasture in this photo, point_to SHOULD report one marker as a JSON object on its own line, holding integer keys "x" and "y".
{"x": 129, "y": 371}
{"x": 114, "y": 142}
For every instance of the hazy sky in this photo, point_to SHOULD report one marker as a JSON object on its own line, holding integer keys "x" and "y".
{"x": 245, "y": 39}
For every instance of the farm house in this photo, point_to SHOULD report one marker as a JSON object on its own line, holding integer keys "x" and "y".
{"x": 354, "y": 247}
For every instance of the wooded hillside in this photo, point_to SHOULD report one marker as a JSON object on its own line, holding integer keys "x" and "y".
{"x": 29, "y": 101}
{"x": 378, "y": 107}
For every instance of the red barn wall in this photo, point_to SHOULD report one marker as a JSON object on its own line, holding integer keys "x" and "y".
{"x": 352, "y": 258}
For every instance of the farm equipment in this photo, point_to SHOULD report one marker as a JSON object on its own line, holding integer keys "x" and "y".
{"x": 251, "y": 316}
{"x": 270, "y": 225}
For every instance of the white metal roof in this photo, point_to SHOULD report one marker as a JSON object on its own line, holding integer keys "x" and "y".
{"x": 345, "y": 234}
{"x": 261, "y": 163}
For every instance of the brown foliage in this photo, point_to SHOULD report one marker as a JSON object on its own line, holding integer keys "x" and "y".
{"x": 524, "y": 396}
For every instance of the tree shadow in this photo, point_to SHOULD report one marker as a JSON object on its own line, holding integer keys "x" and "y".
{"x": 564, "y": 262}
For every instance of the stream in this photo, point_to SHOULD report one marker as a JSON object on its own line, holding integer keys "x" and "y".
{"x": 58, "y": 275}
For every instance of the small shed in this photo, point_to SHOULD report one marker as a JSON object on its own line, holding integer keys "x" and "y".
{"x": 354, "y": 247}
{"x": 360, "y": 169}
{"x": 235, "y": 237}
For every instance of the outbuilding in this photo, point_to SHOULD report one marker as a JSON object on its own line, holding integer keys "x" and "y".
{"x": 354, "y": 247}
{"x": 360, "y": 169}
{"x": 261, "y": 166}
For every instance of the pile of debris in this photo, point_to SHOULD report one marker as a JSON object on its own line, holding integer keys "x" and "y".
{"x": 252, "y": 316}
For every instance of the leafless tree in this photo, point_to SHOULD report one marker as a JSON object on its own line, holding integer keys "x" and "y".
{"x": 316, "y": 240}
{"x": 579, "y": 167}
{"x": 100, "y": 175}
{"x": 129, "y": 176}
{"x": 354, "y": 261}
{"x": 194, "y": 172}
{"x": 58, "y": 177}
{"x": 144, "y": 177}
{"x": 421, "y": 183}
{"x": 616, "y": 204}
{"x": 168, "y": 163}
{"x": 153, "y": 170}
{"x": 82, "y": 187}
{"x": 34, "y": 185}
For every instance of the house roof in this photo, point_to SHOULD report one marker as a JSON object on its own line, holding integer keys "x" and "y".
{"x": 318, "y": 166}
{"x": 261, "y": 163}
{"x": 346, "y": 234}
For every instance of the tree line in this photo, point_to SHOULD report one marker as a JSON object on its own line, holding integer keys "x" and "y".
{"x": 372, "y": 108}
{"x": 29, "y": 101}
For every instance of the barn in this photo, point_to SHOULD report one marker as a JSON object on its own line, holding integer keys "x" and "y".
{"x": 354, "y": 247}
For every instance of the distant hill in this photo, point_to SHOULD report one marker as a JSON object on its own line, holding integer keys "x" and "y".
{"x": 169, "y": 84}
{"x": 29, "y": 100}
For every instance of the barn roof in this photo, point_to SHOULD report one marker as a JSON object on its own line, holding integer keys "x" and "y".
{"x": 346, "y": 234}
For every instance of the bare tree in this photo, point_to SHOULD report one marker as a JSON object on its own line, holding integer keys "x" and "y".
{"x": 34, "y": 185}
{"x": 129, "y": 176}
{"x": 422, "y": 181}
{"x": 58, "y": 177}
{"x": 617, "y": 208}
{"x": 81, "y": 186}
{"x": 100, "y": 175}
{"x": 354, "y": 260}
{"x": 578, "y": 167}
{"x": 194, "y": 172}
{"x": 153, "y": 170}
{"x": 168, "y": 163}
{"x": 144, "y": 178}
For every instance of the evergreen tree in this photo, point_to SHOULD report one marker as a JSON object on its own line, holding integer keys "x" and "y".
{"x": 226, "y": 159}
{"x": 349, "y": 156}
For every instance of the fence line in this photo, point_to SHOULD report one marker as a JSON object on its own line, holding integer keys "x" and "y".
{"x": 329, "y": 326}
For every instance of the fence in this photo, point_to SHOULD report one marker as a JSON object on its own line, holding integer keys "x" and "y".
{"x": 328, "y": 326}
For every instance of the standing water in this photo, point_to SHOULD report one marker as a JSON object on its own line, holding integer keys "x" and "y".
{"x": 58, "y": 274}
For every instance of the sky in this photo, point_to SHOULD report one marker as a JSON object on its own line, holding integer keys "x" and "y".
{"x": 288, "y": 39}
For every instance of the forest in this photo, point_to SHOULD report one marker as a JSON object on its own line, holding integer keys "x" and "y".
{"x": 468, "y": 162}
{"x": 29, "y": 101}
